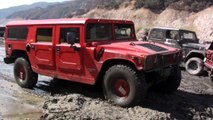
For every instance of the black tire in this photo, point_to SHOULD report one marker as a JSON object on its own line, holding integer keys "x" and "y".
{"x": 23, "y": 73}
{"x": 136, "y": 82}
{"x": 171, "y": 84}
{"x": 194, "y": 66}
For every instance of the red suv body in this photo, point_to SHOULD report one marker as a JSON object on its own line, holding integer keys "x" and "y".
{"x": 91, "y": 51}
{"x": 209, "y": 61}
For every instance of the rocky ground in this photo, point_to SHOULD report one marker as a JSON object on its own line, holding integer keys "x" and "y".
{"x": 68, "y": 100}
{"x": 193, "y": 100}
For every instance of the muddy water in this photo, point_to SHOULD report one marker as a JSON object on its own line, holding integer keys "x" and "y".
{"x": 17, "y": 103}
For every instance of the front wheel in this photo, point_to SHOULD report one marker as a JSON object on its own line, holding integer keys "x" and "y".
{"x": 194, "y": 66}
{"x": 172, "y": 83}
{"x": 124, "y": 86}
{"x": 23, "y": 73}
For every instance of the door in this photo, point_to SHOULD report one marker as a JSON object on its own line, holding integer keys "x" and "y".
{"x": 68, "y": 57}
{"x": 42, "y": 48}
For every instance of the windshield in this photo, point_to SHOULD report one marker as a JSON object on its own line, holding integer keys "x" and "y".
{"x": 124, "y": 31}
{"x": 188, "y": 35}
{"x": 99, "y": 32}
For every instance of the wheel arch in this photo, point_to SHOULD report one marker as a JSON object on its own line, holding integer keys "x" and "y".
{"x": 18, "y": 53}
{"x": 198, "y": 54}
{"x": 109, "y": 63}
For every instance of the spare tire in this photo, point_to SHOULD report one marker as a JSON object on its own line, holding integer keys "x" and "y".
{"x": 194, "y": 66}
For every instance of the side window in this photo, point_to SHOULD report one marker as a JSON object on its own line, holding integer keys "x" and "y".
{"x": 172, "y": 34}
{"x": 64, "y": 31}
{"x": 44, "y": 35}
{"x": 17, "y": 33}
{"x": 156, "y": 34}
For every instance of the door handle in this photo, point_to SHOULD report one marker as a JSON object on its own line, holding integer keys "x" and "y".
{"x": 58, "y": 49}
{"x": 9, "y": 46}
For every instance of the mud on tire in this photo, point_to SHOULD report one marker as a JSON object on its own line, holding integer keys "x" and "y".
{"x": 23, "y": 73}
{"x": 171, "y": 84}
{"x": 124, "y": 86}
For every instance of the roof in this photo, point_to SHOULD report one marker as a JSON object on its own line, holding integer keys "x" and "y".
{"x": 167, "y": 28}
{"x": 60, "y": 21}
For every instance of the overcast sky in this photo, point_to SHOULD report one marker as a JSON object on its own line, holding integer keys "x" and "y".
{"x": 10, "y": 3}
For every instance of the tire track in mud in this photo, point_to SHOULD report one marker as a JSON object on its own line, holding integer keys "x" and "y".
{"x": 68, "y": 100}
{"x": 193, "y": 100}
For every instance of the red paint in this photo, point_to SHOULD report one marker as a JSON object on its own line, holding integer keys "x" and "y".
{"x": 122, "y": 88}
{"x": 209, "y": 59}
{"x": 81, "y": 65}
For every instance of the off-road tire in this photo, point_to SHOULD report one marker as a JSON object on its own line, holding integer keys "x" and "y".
{"x": 197, "y": 62}
{"x": 171, "y": 84}
{"x": 30, "y": 79}
{"x": 136, "y": 82}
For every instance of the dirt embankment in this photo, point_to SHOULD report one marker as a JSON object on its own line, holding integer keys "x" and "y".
{"x": 193, "y": 100}
{"x": 200, "y": 22}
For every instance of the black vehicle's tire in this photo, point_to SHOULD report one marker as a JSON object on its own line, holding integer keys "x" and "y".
{"x": 171, "y": 84}
{"x": 194, "y": 66}
{"x": 119, "y": 78}
{"x": 23, "y": 73}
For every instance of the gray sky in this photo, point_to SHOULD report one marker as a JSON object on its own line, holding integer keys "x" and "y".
{"x": 11, "y": 3}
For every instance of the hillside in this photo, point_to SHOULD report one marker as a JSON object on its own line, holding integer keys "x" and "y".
{"x": 190, "y": 14}
{"x": 8, "y": 11}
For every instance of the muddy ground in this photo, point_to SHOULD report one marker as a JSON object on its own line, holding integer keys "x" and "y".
{"x": 67, "y": 100}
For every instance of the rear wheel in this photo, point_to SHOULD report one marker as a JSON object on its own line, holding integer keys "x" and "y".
{"x": 194, "y": 66}
{"x": 23, "y": 73}
{"x": 124, "y": 86}
{"x": 171, "y": 84}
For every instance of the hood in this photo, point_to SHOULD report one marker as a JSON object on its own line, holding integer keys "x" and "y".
{"x": 196, "y": 46}
{"x": 138, "y": 47}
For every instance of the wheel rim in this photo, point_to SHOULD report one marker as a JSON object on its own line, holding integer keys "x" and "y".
{"x": 21, "y": 73}
{"x": 193, "y": 65}
{"x": 122, "y": 88}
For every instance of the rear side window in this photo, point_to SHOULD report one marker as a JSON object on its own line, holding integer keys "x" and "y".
{"x": 44, "y": 35}
{"x": 17, "y": 33}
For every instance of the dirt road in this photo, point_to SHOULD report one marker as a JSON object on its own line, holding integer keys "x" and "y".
{"x": 67, "y": 100}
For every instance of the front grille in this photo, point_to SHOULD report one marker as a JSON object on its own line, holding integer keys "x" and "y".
{"x": 170, "y": 59}
{"x": 153, "y": 47}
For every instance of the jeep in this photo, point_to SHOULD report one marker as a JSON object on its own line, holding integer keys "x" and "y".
{"x": 2, "y": 29}
{"x": 95, "y": 52}
{"x": 209, "y": 61}
{"x": 193, "y": 52}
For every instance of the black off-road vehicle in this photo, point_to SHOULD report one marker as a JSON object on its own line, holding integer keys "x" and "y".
{"x": 193, "y": 52}
{"x": 2, "y": 30}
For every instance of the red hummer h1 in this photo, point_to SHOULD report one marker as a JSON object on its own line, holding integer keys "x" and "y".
{"x": 92, "y": 51}
{"x": 209, "y": 61}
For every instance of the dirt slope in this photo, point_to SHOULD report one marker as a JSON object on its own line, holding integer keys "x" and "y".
{"x": 200, "y": 22}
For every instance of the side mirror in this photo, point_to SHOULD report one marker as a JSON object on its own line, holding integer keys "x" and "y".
{"x": 71, "y": 37}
